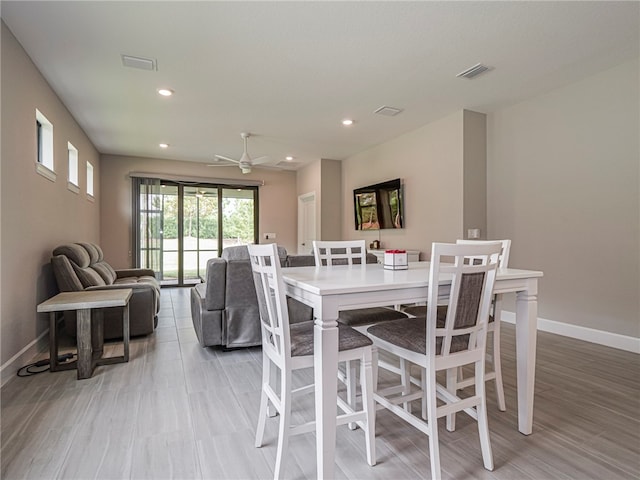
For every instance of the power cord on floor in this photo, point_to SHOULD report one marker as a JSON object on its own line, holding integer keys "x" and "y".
{"x": 42, "y": 365}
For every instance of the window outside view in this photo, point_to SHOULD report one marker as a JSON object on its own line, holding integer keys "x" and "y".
{"x": 202, "y": 225}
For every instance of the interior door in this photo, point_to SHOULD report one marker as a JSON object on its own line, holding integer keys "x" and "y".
{"x": 306, "y": 222}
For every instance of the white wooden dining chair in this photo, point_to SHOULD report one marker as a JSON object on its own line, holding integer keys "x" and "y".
{"x": 354, "y": 252}
{"x": 456, "y": 339}
{"x": 342, "y": 252}
{"x": 291, "y": 347}
{"x": 494, "y": 364}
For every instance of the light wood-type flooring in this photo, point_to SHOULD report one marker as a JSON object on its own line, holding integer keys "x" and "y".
{"x": 179, "y": 411}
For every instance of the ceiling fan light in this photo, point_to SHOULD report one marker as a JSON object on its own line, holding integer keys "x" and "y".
{"x": 245, "y": 170}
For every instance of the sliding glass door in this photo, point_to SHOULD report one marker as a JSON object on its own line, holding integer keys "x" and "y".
{"x": 200, "y": 232}
{"x": 197, "y": 221}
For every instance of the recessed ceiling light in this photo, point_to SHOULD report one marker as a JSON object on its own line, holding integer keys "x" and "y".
{"x": 165, "y": 92}
{"x": 346, "y": 122}
{"x": 289, "y": 158}
{"x": 163, "y": 145}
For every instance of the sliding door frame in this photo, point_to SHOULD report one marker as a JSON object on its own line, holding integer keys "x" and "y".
{"x": 181, "y": 185}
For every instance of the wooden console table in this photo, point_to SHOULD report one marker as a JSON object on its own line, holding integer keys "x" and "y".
{"x": 90, "y": 335}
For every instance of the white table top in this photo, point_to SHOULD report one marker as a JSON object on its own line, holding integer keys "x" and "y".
{"x": 340, "y": 279}
{"x": 116, "y": 297}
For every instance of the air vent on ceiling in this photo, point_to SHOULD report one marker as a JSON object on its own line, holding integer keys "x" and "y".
{"x": 388, "y": 111}
{"x": 139, "y": 62}
{"x": 473, "y": 71}
{"x": 289, "y": 164}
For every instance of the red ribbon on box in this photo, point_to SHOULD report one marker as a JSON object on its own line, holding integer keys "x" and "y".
{"x": 395, "y": 251}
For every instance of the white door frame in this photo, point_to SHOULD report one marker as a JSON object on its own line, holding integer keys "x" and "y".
{"x": 306, "y": 225}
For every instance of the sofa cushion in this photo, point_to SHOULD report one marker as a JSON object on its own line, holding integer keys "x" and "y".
{"x": 300, "y": 261}
{"x": 107, "y": 273}
{"x": 75, "y": 253}
{"x": 86, "y": 261}
{"x": 88, "y": 277}
{"x": 66, "y": 278}
{"x": 94, "y": 255}
{"x": 217, "y": 280}
{"x": 241, "y": 252}
{"x": 239, "y": 289}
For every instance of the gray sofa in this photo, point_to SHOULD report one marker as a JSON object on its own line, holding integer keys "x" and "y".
{"x": 224, "y": 309}
{"x": 81, "y": 266}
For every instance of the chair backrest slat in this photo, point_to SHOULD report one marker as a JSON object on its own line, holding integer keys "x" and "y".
{"x": 472, "y": 276}
{"x": 504, "y": 252}
{"x": 348, "y": 252}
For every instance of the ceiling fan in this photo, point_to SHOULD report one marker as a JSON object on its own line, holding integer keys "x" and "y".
{"x": 246, "y": 163}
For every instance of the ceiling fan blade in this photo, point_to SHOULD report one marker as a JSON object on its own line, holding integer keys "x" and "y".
{"x": 260, "y": 160}
{"x": 222, "y": 157}
{"x": 268, "y": 167}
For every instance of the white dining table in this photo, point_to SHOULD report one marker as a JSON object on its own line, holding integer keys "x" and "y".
{"x": 331, "y": 289}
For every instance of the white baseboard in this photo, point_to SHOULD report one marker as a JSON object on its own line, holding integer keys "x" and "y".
{"x": 25, "y": 356}
{"x": 601, "y": 337}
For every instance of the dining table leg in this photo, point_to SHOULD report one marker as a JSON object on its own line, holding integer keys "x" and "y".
{"x": 526, "y": 339}
{"x": 326, "y": 390}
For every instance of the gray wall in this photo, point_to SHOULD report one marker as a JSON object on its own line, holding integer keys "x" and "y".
{"x": 563, "y": 173}
{"x": 430, "y": 161}
{"x": 562, "y": 176}
{"x": 37, "y": 213}
{"x": 474, "y": 172}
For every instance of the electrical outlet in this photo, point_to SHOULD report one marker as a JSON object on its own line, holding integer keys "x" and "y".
{"x": 473, "y": 233}
{"x": 269, "y": 236}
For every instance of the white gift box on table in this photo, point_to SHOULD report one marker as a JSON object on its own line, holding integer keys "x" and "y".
{"x": 395, "y": 260}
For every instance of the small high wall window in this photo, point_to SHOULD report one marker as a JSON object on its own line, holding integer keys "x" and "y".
{"x": 89, "y": 180}
{"x": 73, "y": 184}
{"x": 44, "y": 137}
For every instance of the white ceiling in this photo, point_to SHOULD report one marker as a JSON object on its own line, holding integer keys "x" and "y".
{"x": 289, "y": 72}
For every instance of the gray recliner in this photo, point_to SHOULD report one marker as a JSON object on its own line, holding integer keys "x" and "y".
{"x": 224, "y": 309}
{"x": 81, "y": 266}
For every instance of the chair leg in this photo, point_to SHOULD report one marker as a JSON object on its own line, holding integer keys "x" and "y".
{"x": 423, "y": 383}
{"x": 405, "y": 379}
{"x": 273, "y": 381}
{"x": 497, "y": 368}
{"x": 374, "y": 367}
{"x": 285, "y": 423}
{"x": 452, "y": 382}
{"x": 350, "y": 372}
{"x": 264, "y": 400}
{"x": 429, "y": 391}
{"x": 366, "y": 383}
{"x": 483, "y": 423}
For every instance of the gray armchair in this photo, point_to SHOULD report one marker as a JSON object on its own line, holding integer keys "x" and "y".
{"x": 224, "y": 309}
{"x": 81, "y": 266}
